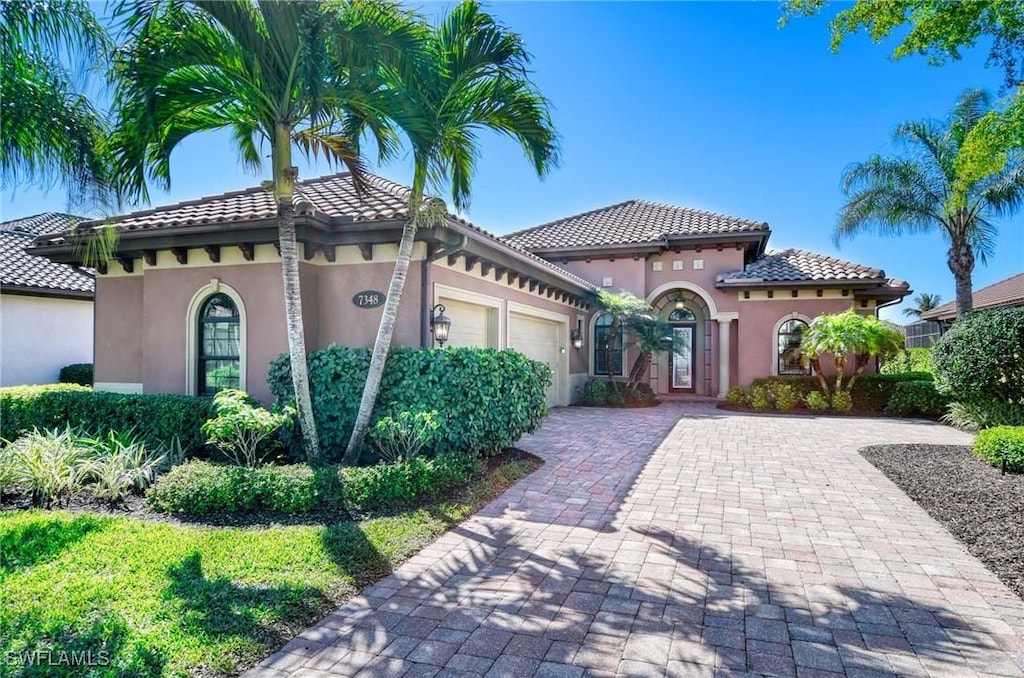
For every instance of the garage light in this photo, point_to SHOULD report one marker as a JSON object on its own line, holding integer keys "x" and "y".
{"x": 439, "y": 324}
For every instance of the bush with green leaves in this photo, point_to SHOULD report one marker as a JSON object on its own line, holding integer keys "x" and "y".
{"x": 487, "y": 398}
{"x": 979, "y": 362}
{"x": 761, "y": 397}
{"x": 978, "y": 416}
{"x": 842, "y": 402}
{"x": 403, "y": 436}
{"x": 119, "y": 466}
{"x": 156, "y": 419}
{"x": 910, "y": 398}
{"x": 76, "y": 373}
{"x": 816, "y": 401}
{"x": 1002, "y": 445}
{"x": 595, "y": 393}
{"x": 244, "y": 433}
{"x": 202, "y": 487}
{"x": 784, "y": 396}
{"x": 909, "y": 360}
{"x": 736, "y": 395}
{"x": 870, "y": 393}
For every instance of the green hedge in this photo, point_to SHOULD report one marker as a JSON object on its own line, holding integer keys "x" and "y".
{"x": 155, "y": 418}
{"x": 602, "y": 393}
{"x": 1002, "y": 443}
{"x": 871, "y": 392}
{"x": 487, "y": 398}
{"x": 201, "y": 487}
{"x": 916, "y": 398}
{"x": 78, "y": 373}
{"x": 909, "y": 360}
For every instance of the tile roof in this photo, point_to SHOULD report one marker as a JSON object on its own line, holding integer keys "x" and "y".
{"x": 793, "y": 265}
{"x": 1009, "y": 292}
{"x": 630, "y": 222}
{"x": 21, "y": 269}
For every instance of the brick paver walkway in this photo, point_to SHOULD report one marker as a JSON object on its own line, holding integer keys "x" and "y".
{"x": 682, "y": 540}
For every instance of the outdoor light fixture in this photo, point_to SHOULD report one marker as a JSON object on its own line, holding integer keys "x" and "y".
{"x": 577, "y": 339}
{"x": 439, "y": 324}
{"x": 680, "y": 304}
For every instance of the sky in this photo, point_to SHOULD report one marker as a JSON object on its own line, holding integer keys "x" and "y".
{"x": 707, "y": 105}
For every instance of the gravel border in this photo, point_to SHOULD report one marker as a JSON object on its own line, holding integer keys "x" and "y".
{"x": 979, "y": 506}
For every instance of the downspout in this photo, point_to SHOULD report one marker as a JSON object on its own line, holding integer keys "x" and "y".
{"x": 879, "y": 307}
{"x": 427, "y": 283}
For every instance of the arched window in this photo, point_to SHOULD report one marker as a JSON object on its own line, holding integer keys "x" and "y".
{"x": 602, "y": 337}
{"x": 218, "y": 358}
{"x": 790, "y": 357}
{"x": 681, "y": 315}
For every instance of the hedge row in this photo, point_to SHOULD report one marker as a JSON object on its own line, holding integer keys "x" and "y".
{"x": 156, "y": 418}
{"x": 911, "y": 398}
{"x": 489, "y": 398}
{"x": 1002, "y": 445}
{"x": 200, "y": 487}
{"x": 871, "y": 392}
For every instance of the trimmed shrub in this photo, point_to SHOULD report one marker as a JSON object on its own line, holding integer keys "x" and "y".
{"x": 980, "y": 361}
{"x": 487, "y": 398}
{"x": 909, "y": 360}
{"x": 784, "y": 396}
{"x": 916, "y": 398}
{"x": 243, "y": 432}
{"x": 201, "y": 487}
{"x": 736, "y": 395}
{"x": 156, "y": 419}
{"x": 595, "y": 393}
{"x": 816, "y": 401}
{"x": 871, "y": 392}
{"x": 842, "y": 401}
{"x": 1002, "y": 444}
{"x": 77, "y": 373}
{"x": 761, "y": 397}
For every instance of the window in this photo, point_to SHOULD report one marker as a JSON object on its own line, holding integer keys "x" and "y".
{"x": 219, "y": 345}
{"x": 681, "y": 315}
{"x": 602, "y": 336}
{"x": 790, "y": 357}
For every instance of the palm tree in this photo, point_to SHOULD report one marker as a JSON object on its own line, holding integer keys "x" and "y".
{"x": 277, "y": 73}
{"x": 475, "y": 79}
{"x": 49, "y": 131}
{"x": 925, "y": 302}
{"x": 923, "y": 191}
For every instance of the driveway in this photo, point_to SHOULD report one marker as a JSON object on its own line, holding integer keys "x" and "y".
{"x": 683, "y": 540}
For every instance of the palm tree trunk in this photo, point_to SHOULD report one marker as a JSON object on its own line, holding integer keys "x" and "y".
{"x": 296, "y": 335}
{"x": 609, "y": 352}
{"x": 640, "y": 365}
{"x": 382, "y": 345}
{"x": 284, "y": 192}
{"x": 820, "y": 373}
{"x": 961, "y": 264}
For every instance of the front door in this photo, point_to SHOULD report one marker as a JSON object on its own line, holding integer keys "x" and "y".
{"x": 682, "y": 358}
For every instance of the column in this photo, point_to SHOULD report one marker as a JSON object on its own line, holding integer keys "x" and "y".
{"x": 723, "y": 357}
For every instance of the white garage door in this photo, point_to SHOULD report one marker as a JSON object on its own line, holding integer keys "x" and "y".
{"x": 540, "y": 339}
{"x": 469, "y": 323}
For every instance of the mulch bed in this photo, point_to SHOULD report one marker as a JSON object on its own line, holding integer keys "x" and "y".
{"x": 974, "y": 501}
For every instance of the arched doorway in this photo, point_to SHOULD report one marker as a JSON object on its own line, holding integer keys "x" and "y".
{"x": 683, "y": 322}
{"x": 688, "y": 368}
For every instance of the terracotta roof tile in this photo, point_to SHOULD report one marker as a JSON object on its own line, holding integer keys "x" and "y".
{"x": 630, "y": 222}
{"x": 794, "y": 265}
{"x": 1009, "y": 292}
{"x": 18, "y": 268}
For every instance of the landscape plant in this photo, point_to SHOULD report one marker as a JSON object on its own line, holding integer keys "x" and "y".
{"x": 119, "y": 466}
{"x": 844, "y": 334}
{"x": 923, "y": 303}
{"x": 842, "y": 402}
{"x": 244, "y": 433}
{"x": 403, "y": 436}
{"x": 817, "y": 401}
{"x": 761, "y": 397}
{"x": 1002, "y": 446}
{"x": 473, "y": 76}
{"x": 909, "y": 360}
{"x": 916, "y": 398}
{"x": 737, "y": 395}
{"x": 77, "y": 373}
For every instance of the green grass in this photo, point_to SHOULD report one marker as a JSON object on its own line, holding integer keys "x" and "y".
{"x": 160, "y": 599}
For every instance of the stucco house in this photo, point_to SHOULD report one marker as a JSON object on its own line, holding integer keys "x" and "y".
{"x": 194, "y": 301}
{"x": 45, "y": 307}
{"x": 1007, "y": 293}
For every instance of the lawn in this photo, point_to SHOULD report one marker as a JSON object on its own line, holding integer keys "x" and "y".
{"x": 145, "y": 598}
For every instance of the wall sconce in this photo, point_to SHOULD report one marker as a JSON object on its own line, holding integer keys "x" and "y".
{"x": 439, "y": 324}
{"x": 577, "y": 339}
{"x": 680, "y": 304}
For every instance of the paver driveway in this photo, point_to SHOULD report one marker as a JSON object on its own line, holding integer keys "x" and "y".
{"x": 683, "y": 540}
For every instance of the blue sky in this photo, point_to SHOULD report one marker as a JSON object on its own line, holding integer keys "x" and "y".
{"x": 709, "y": 105}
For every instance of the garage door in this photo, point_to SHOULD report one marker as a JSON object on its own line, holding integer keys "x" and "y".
{"x": 469, "y": 323}
{"x": 540, "y": 339}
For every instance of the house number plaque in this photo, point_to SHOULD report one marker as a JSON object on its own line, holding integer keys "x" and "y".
{"x": 368, "y": 299}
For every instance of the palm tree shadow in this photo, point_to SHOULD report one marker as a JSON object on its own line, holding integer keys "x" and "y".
{"x": 44, "y": 540}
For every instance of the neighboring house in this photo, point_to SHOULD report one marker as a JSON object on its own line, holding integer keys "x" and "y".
{"x": 45, "y": 307}
{"x": 1005, "y": 293}
{"x": 922, "y": 333}
{"x": 194, "y": 301}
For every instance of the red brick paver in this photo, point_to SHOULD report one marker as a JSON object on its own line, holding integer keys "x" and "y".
{"x": 683, "y": 540}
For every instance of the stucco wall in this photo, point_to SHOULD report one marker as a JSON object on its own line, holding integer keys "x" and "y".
{"x": 119, "y": 330}
{"x": 341, "y": 322}
{"x": 39, "y": 335}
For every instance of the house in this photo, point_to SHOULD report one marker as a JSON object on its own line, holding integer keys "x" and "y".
{"x": 1005, "y": 293}
{"x": 194, "y": 301}
{"x": 45, "y": 307}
